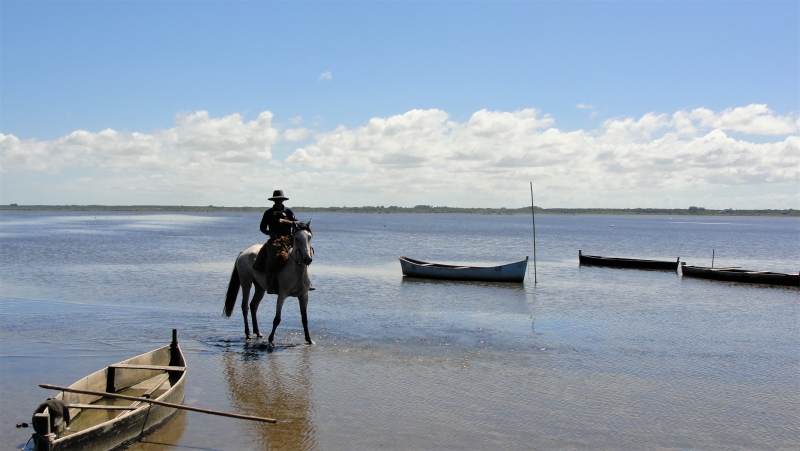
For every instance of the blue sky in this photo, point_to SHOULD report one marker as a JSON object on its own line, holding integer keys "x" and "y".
{"x": 148, "y": 71}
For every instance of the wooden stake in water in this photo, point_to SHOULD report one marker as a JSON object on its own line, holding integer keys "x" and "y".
{"x": 533, "y": 218}
{"x": 712, "y": 258}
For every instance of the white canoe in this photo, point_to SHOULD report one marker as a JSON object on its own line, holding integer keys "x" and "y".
{"x": 512, "y": 272}
{"x": 99, "y": 424}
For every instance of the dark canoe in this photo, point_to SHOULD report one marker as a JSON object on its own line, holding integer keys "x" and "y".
{"x": 597, "y": 260}
{"x": 158, "y": 374}
{"x": 512, "y": 272}
{"x": 741, "y": 275}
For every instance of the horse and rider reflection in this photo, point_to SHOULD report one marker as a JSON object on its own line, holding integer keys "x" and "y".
{"x": 262, "y": 385}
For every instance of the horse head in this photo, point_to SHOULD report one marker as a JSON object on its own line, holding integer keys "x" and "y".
{"x": 302, "y": 241}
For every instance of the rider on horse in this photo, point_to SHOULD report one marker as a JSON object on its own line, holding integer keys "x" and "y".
{"x": 277, "y": 223}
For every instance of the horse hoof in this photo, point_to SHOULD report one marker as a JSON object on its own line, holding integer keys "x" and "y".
{"x": 248, "y": 337}
{"x": 311, "y": 342}
{"x": 260, "y": 335}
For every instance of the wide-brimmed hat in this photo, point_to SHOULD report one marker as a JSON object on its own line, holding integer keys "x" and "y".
{"x": 278, "y": 195}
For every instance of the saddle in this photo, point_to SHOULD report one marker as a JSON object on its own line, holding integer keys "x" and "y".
{"x": 273, "y": 255}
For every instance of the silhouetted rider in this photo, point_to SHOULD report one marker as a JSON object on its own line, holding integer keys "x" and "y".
{"x": 277, "y": 223}
{"x": 278, "y": 220}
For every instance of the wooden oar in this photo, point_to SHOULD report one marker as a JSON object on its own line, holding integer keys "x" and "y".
{"x": 160, "y": 403}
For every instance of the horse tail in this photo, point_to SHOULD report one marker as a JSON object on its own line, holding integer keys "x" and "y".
{"x": 233, "y": 291}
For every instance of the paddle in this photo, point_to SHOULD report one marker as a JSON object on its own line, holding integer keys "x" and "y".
{"x": 160, "y": 403}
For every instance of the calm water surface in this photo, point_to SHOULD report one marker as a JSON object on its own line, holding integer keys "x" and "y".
{"x": 588, "y": 358}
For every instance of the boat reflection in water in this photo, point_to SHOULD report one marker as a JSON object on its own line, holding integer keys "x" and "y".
{"x": 275, "y": 385}
{"x": 164, "y": 437}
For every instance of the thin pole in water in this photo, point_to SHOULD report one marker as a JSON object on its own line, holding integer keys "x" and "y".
{"x": 533, "y": 218}
{"x": 712, "y": 258}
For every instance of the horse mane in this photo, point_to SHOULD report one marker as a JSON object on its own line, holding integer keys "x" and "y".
{"x": 304, "y": 226}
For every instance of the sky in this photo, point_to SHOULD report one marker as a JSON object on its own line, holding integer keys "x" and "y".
{"x": 659, "y": 104}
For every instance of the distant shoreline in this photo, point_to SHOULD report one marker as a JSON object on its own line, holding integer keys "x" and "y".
{"x": 691, "y": 211}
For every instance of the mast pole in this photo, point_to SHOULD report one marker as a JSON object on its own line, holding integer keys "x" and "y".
{"x": 533, "y": 219}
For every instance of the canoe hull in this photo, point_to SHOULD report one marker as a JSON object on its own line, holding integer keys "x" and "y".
{"x": 122, "y": 427}
{"x": 512, "y": 272}
{"x": 741, "y": 275}
{"x": 596, "y": 260}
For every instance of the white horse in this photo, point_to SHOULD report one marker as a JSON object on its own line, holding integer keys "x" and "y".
{"x": 293, "y": 280}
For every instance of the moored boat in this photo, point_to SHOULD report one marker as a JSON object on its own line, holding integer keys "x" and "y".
{"x": 512, "y": 272}
{"x": 741, "y": 275}
{"x": 103, "y": 423}
{"x": 634, "y": 263}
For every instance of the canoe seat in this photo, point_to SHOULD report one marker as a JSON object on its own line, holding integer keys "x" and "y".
{"x": 129, "y": 366}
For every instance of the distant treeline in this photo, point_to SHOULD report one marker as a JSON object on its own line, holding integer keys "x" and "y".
{"x": 161, "y": 208}
{"x": 556, "y": 211}
{"x": 698, "y": 211}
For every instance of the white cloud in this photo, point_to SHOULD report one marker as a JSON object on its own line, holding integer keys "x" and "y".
{"x": 423, "y": 156}
{"x": 296, "y": 134}
{"x": 583, "y": 106}
{"x": 196, "y": 140}
{"x": 493, "y": 153}
{"x": 296, "y": 120}
{"x": 325, "y": 76}
{"x": 754, "y": 119}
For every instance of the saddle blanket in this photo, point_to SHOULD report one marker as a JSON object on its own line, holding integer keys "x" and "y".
{"x": 273, "y": 254}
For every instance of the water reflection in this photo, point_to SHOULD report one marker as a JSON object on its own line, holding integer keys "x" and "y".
{"x": 277, "y": 384}
{"x": 613, "y": 358}
{"x": 510, "y": 286}
{"x": 164, "y": 437}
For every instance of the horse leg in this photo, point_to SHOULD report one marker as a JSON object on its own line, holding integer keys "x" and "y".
{"x": 303, "y": 298}
{"x": 257, "y": 296}
{"x": 277, "y": 320}
{"x": 245, "y": 298}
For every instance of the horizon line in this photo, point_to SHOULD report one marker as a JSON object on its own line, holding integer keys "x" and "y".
{"x": 692, "y": 210}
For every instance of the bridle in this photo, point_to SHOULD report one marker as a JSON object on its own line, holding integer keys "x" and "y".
{"x": 294, "y": 239}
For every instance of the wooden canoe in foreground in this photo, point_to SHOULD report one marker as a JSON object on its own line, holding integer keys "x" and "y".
{"x": 741, "y": 275}
{"x": 99, "y": 423}
{"x": 634, "y": 263}
{"x": 512, "y": 272}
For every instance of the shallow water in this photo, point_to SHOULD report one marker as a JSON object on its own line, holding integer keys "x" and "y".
{"x": 586, "y": 358}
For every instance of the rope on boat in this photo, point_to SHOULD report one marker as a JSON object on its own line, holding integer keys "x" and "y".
{"x": 144, "y": 423}
{"x": 26, "y": 443}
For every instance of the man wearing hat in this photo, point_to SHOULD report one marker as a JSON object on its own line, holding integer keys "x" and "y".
{"x": 277, "y": 223}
